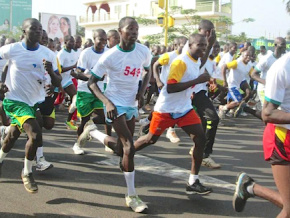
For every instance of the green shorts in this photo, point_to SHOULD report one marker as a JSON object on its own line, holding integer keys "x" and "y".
{"x": 19, "y": 112}
{"x": 87, "y": 103}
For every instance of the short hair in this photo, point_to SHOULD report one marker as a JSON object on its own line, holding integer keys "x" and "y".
{"x": 123, "y": 21}
{"x": 67, "y": 38}
{"x": 112, "y": 32}
{"x": 232, "y": 44}
{"x": 262, "y": 47}
{"x": 28, "y": 20}
{"x": 182, "y": 39}
{"x": 97, "y": 32}
{"x": 205, "y": 24}
{"x": 193, "y": 37}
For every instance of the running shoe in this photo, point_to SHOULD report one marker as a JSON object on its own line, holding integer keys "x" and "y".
{"x": 197, "y": 188}
{"x": 143, "y": 130}
{"x": 42, "y": 164}
{"x": 85, "y": 136}
{"x": 147, "y": 107}
{"x": 29, "y": 183}
{"x": 3, "y": 134}
{"x": 77, "y": 150}
{"x": 239, "y": 110}
{"x": 136, "y": 204}
{"x": 141, "y": 111}
{"x": 70, "y": 125}
{"x": 222, "y": 112}
{"x": 241, "y": 194}
{"x": 210, "y": 163}
{"x": 144, "y": 121}
{"x": 171, "y": 135}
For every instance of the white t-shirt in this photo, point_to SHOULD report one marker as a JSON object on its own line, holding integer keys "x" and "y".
{"x": 238, "y": 73}
{"x": 67, "y": 59}
{"x": 277, "y": 89}
{"x": 88, "y": 59}
{"x": 78, "y": 52}
{"x": 123, "y": 70}
{"x": 184, "y": 68}
{"x": 227, "y": 57}
{"x": 165, "y": 60}
{"x": 263, "y": 66}
{"x": 26, "y": 74}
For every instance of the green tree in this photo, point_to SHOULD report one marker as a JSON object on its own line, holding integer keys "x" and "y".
{"x": 80, "y": 30}
{"x": 15, "y": 33}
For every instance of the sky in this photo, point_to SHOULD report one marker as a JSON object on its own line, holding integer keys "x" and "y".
{"x": 271, "y": 18}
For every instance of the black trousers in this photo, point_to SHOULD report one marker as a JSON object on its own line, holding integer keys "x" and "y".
{"x": 209, "y": 119}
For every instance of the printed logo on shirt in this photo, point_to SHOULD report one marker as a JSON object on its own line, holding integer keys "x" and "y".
{"x": 34, "y": 65}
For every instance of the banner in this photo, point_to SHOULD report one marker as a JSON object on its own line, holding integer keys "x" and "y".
{"x": 269, "y": 44}
{"x": 58, "y": 25}
{"x": 13, "y": 12}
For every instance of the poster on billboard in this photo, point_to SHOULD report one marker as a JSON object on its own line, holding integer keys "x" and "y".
{"x": 58, "y": 25}
{"x": 13, "y": 12}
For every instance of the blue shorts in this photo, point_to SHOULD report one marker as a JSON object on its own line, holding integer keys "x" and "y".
{"x": 129, "y": 112}
{"x": 234, "y": 95}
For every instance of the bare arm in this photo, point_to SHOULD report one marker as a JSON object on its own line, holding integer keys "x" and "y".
{"x": 156, "y": 74}
{"x": 4, "y": 73}
{"x": 224, "y": 74}
{"x": 65, "y": 69}
{"x": 178, "y": 87}
{"x": 256, "y": 76}
{"x": 79, "y": 74}
{"x": 271, "y": 114}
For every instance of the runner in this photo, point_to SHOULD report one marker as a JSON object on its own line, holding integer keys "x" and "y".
{"x": 174, "y": 107}
{"x": 123, "y": 65}
{"x": 68, "y": 61}
{"x": 275, "y": 142}
{"x": 113, "y": 38}
{"x": 26, "y": 89}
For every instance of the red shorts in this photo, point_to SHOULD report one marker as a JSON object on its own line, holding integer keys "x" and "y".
{"x": 161, "y": 121}
{"x": 276, "y": 140}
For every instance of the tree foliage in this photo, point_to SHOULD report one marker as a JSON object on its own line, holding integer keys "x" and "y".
{"x": 15, "y": 33}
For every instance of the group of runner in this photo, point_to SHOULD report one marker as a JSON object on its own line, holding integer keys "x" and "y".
{"x": 191, "y": 81}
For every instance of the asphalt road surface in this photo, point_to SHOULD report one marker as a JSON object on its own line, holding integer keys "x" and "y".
{"x": 92, "y": 185}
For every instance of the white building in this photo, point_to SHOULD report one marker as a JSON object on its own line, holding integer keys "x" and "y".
{"x": 106, "y": 14}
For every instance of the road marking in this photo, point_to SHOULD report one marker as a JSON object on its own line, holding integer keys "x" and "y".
{"x": 152, "y": 166}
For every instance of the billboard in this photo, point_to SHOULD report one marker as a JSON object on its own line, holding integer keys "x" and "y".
{"x": 13, "y": 12}
{"x": 58, "y": 25}
{"x": 269, "y": 44}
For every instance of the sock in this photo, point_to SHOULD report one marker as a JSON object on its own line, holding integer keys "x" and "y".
{"x": 7, "y": 129}
{"x": 2, "y": 155}
{"x": 225, "y": 108}
{"x": 27, "y": 166}
{"x": 130, "y": 180}
{"x": 192, "y": 179}
{"x": 250, "y": 188}
{"x": 39, "y": 153}
{"x": 98, "y": 135}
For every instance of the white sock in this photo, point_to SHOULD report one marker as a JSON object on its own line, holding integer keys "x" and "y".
{"x": 98, "y": 135}
{"x": 192, "y": 179}
{"x": 250, "y": 188}
{"x": 130, "y": 180}
{"x": 27, "y": 166}
{"x": 39, "y": 153}
{"x": 7, "y": 129}
{"x": 225, "y": 108}
{"x": 2, "y": 155}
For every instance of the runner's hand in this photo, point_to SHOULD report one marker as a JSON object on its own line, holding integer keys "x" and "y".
{"x": 159, "y": 84}
{"x": 47, "y": 65}
{"x": 49, "y": 89}
{"x": 3, "y": 88}
{"x": 204, "y": 77}
{"x": 111, "y": 111}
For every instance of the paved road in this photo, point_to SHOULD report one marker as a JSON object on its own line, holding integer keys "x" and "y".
{"x": 91, "y": 185}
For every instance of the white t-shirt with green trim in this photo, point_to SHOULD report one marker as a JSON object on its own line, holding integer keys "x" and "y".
{"x": 123, "y": 70}
{"x": 277, "y": 89}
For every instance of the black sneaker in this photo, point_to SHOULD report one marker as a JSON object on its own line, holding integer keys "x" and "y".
{"x": 197, "y": 188}
{"x": 241, "y": 194}
{"x": 29, "y": 183}
{"x": 143, "y": 130}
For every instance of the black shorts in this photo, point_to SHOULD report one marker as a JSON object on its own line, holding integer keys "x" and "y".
{"x": 276, "y": 159}
{"x": 46, "y": 108}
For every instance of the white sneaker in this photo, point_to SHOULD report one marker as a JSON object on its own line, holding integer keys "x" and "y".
{"x": 244, "y": 114}
{"x": 171, "y": 135}
{"x": 222, "y": 113}
{"x": 107, "y": 149}
{"x": 85, "y": 136}
{"x": 210, "y": 163}
{"x": 42, "y": 164}
{"x": 77, "y": 149}
{"x": 141, "y": 111}
{"x": 136, "y": 204}
{"x": 144, "y": 121}
{"x": 3, "y": 134}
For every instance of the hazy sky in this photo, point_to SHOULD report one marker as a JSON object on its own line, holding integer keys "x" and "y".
{"x": 271, "y": 19}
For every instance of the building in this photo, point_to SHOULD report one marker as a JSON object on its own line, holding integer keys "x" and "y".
{"x": 106, "y": 14}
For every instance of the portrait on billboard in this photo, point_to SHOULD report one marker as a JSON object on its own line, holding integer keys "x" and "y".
{"x": 58, "y": 26}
